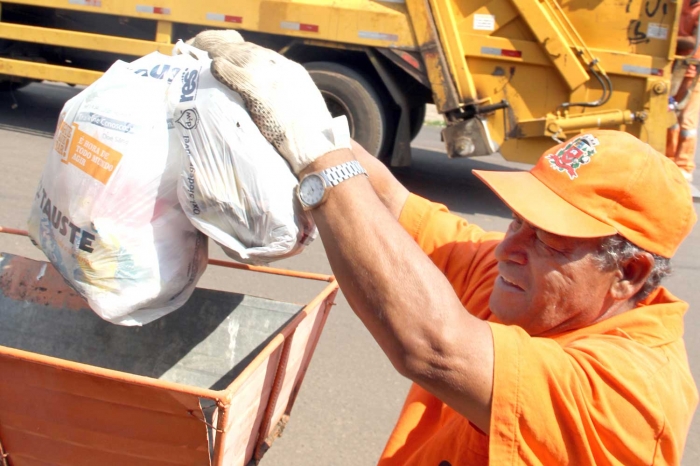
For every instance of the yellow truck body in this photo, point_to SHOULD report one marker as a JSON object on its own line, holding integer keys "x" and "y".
{"x": 511, "y": 76}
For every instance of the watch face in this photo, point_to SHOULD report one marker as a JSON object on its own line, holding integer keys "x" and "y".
{"x": 311, "y": 190}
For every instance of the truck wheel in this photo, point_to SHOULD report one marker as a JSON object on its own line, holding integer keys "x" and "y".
{"x": 417, "y": 118}
{"x": 348, "y": 93}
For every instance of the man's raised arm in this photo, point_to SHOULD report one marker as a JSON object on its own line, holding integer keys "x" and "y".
{"x": 402, "y": 298}
{"x": 389, "y": 190}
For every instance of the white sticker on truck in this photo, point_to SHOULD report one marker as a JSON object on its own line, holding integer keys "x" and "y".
{"x": 95, "y": 3}
{"x": 224, "y": 18}
{"x": 156, "y": 10}
{"x": 484, "y": 22}
{"x": 294, "y": 26}
{"x": 642, "y": 70}
{"x": 377, "y": 36}
{"x": 657, "y": 31}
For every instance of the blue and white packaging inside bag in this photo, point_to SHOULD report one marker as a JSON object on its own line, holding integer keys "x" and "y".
{"x": 106, "y": 213}
{"x": 234, "y": 185}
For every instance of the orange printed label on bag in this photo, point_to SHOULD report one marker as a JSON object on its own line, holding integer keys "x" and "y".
{"x": 62, "y": 140}
{"x": 91, "y": 156}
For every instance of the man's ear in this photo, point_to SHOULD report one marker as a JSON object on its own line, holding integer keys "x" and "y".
{"x": 632, "y": 276}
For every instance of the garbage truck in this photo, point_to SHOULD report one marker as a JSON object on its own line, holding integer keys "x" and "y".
{"x": 508, "y": 76}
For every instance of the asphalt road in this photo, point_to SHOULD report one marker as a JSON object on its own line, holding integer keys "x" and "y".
{"x": 351, "y": 395}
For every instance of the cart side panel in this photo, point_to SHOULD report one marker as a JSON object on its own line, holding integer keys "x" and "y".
{"x": 270, "y": 381}
{"x": 52, "y": 415}
{"x": 248, "y": 405}
{"x": 303, "y": 343}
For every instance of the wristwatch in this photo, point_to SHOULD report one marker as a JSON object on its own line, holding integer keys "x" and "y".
{"x": 313, "y": 188}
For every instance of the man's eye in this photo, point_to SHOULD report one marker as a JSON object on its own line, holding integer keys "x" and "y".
{"x": 549, "y": 245}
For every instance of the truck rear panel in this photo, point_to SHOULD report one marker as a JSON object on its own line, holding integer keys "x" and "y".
{"x": 542, "y": 58}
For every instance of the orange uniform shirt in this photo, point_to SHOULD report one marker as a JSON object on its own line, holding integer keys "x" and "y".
{"x": 687, "y": 27}
{"x": 617, "y": 392}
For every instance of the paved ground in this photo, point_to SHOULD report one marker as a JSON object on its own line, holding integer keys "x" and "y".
{"x": 351, "y": 395}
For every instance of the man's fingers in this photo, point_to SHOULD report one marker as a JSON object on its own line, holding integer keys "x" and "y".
{"x": 274, "y": 71}
{"x": 246, "y": 54}
{"x": 215, "y": 41}
{"x": 242, "y": 81}
{"x": 281, "y": 98}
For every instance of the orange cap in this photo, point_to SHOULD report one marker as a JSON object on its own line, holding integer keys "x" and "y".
{"x": 600, "y": 184}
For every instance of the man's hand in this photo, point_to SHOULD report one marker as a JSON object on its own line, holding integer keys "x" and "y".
{"x": 685, "y": 45}
{"x": 280, "y": 96}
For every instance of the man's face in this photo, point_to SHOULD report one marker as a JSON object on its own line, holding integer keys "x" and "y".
{"x": 548, "y": 284}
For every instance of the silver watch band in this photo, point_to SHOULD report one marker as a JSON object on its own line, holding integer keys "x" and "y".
{"x": 342, "y": 172}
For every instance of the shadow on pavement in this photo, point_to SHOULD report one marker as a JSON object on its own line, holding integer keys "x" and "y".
{"x": 451, "y": 182}
{"x": 35, "y": 108}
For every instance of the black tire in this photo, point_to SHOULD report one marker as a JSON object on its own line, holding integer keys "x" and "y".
{"x": 348, "y": 93}
{"x": 417, "y": 118}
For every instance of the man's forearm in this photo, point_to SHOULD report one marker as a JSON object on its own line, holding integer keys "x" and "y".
{"x": 402, "y": 298}
{"x": 389, "y": 190}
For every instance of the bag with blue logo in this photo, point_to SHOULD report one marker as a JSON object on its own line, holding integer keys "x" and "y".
{"x": 106, "y": 212}
{"x": 234, "y": 185}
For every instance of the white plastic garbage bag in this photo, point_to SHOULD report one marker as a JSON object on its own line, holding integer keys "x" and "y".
{"x": 106, "y": 213}
{"x": 235, "y": 187}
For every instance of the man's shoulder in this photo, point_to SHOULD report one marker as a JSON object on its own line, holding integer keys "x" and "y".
{"x": 639, "y": 343}
{"x": 617, "y": 351}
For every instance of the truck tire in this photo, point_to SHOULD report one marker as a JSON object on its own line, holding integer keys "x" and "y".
{"x": 348, "y": 93}
{"x": 417, "y": 118}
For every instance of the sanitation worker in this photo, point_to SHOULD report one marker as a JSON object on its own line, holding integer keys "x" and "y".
{"x": 553, "y": 343}
{"x": 681, "y": 138}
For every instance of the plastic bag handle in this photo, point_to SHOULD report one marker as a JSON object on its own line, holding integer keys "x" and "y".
{"x": 181, "y": 48}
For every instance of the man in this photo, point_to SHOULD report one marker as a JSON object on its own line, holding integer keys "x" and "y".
{"x": 682, "y": 137}
{"x": 551, "y": 344}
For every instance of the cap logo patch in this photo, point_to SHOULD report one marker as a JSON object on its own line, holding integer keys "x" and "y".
{"x": 576, "y": 153}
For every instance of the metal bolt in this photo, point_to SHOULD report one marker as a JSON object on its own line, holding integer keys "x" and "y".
{"x": 641, "y": 116}
{"x": 464, "y": 146}
{"x": 659, "y": 88}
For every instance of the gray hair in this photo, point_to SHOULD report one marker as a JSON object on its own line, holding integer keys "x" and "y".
{"x": 614, "y": 250}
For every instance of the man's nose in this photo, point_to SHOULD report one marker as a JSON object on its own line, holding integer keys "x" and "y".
{"x": 513, "y": 247}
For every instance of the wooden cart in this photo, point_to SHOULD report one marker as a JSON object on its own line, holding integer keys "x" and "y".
{"x": 212, "y": 383}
